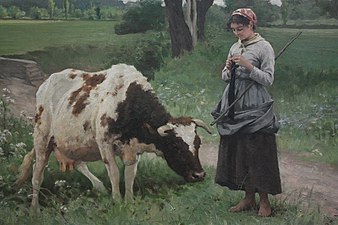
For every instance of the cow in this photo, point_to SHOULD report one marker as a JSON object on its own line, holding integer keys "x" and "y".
{"x": 89, "y": 116}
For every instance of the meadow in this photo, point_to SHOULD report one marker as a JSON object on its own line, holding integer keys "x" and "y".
{"x": 305, "y": 93}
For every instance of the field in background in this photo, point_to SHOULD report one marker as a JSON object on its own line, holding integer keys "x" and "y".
{"x": 305, "y": 92}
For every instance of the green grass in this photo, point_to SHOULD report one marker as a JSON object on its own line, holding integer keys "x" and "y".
{"x": 56, "y": 45}
{"x": 20, "y": 37}
{"x": 315, "y": 49}
{"x": 161, "y": 198}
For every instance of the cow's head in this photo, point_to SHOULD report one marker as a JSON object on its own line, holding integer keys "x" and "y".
{"x": 180, "y": 144}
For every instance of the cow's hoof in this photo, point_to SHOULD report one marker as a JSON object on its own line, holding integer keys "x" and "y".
{"x": 99, "y": 187}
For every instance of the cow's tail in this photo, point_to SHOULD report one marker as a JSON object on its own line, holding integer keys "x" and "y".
{"x": 24, "y": 169}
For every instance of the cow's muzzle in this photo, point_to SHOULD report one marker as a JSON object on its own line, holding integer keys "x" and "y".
{"x": 195, "y": 176}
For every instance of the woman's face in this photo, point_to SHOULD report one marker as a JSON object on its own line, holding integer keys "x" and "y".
{"x": 243, "y": 32}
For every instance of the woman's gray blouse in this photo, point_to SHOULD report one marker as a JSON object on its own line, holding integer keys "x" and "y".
{"x": 253, "y": 112}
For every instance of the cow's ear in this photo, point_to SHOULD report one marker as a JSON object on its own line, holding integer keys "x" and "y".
{"x": 117, "y": 147}
{"x": 149, "y": 128}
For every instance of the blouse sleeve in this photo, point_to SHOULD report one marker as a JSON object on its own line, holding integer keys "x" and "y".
{"x": 265, "y": 74}
{"x": 225, "y": 72}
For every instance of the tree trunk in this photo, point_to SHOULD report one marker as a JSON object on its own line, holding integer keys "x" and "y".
{"x": 202, "y": 8}
{"x": 191, "y": 20}
{"x": 181, "y": 39}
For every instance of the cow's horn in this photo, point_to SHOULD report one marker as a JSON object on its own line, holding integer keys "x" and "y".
{"x": 162, "y": 130}
{"x": 202, "y": 124}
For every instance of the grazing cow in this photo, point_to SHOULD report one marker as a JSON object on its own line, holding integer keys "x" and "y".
{"x": 85, "y": 117}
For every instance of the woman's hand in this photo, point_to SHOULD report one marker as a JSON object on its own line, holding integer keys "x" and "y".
{"x": 228, "y": 64}
{"x": 241, "y": 61}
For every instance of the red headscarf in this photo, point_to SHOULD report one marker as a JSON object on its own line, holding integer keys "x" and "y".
{"x": 247, "y": 13}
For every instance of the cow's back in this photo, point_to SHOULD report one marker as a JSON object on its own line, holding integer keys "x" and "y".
{"x": 53, "y": 90}
{"x": 75, "y": 101}
{"x": 61, "y": 86}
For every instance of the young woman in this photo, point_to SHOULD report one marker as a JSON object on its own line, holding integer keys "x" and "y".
{"x": 247, "y": 158}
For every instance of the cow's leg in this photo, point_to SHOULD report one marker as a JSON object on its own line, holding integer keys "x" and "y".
{"x": 129, "y": 177}
{"x": 42, "y": 153}
{"x": 97, "y": 184}
{"x": 108, "y": 158}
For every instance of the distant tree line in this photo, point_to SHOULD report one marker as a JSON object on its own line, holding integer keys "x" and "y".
{"x": 106, "y": 9}
{"x": 25, "y": 5}
{"x": 39, "y": 9}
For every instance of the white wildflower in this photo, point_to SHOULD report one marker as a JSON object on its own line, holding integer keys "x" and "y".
{"x": 317, "y": 152}
{"x": 64, "y": 208}
{"x": 21, "y": 145}
{"x": 23, "y": 114}
{"x": 60, "y": 183}
{"x": 6, "y": 90}
{"x": 4, "y": 135}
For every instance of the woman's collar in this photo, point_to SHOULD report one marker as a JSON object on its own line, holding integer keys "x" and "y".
{"x": 256, "y": 38}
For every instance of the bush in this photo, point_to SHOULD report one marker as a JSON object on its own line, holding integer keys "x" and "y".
{"x": 78, "y": 13}
{"x": 3, "y": 12}
{"x": 58, "y": 13}
{"x": 15, "y": 13}
{"x": 146, "y": 56}
{"x": 90, "y": 14}
{"x": 110, "y": 13}
{"x": 304, "y": 11}
{"x": 38, "y": 13}
{"x": 143, "y": 16}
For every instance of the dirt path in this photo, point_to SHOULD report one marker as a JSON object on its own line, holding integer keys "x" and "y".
{"x": 310, "y": 184}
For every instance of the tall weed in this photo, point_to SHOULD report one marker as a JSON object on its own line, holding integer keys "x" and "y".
{"x": 15, "y": 133}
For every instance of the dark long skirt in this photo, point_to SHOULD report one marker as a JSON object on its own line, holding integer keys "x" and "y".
{"x": 249, "y": 162}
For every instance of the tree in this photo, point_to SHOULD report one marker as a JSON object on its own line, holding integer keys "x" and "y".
{"x": 66, "y": 7}
{"x": 328, "y": 6}
{"x": 229, "y": 5}
{"x": 202, "y": 8}
{"x": 284, "y": 11}
{"x": 265, "y": 11}
{"x": 3, "y": 12}
{"x": 180, "y": 36}
{"x": 142, "y": 16}
{"x": 115, "y": 2}
{"x": 191, "y": 19}
{"x": 51, "y": 6}
{"x": 186, "y": 29}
